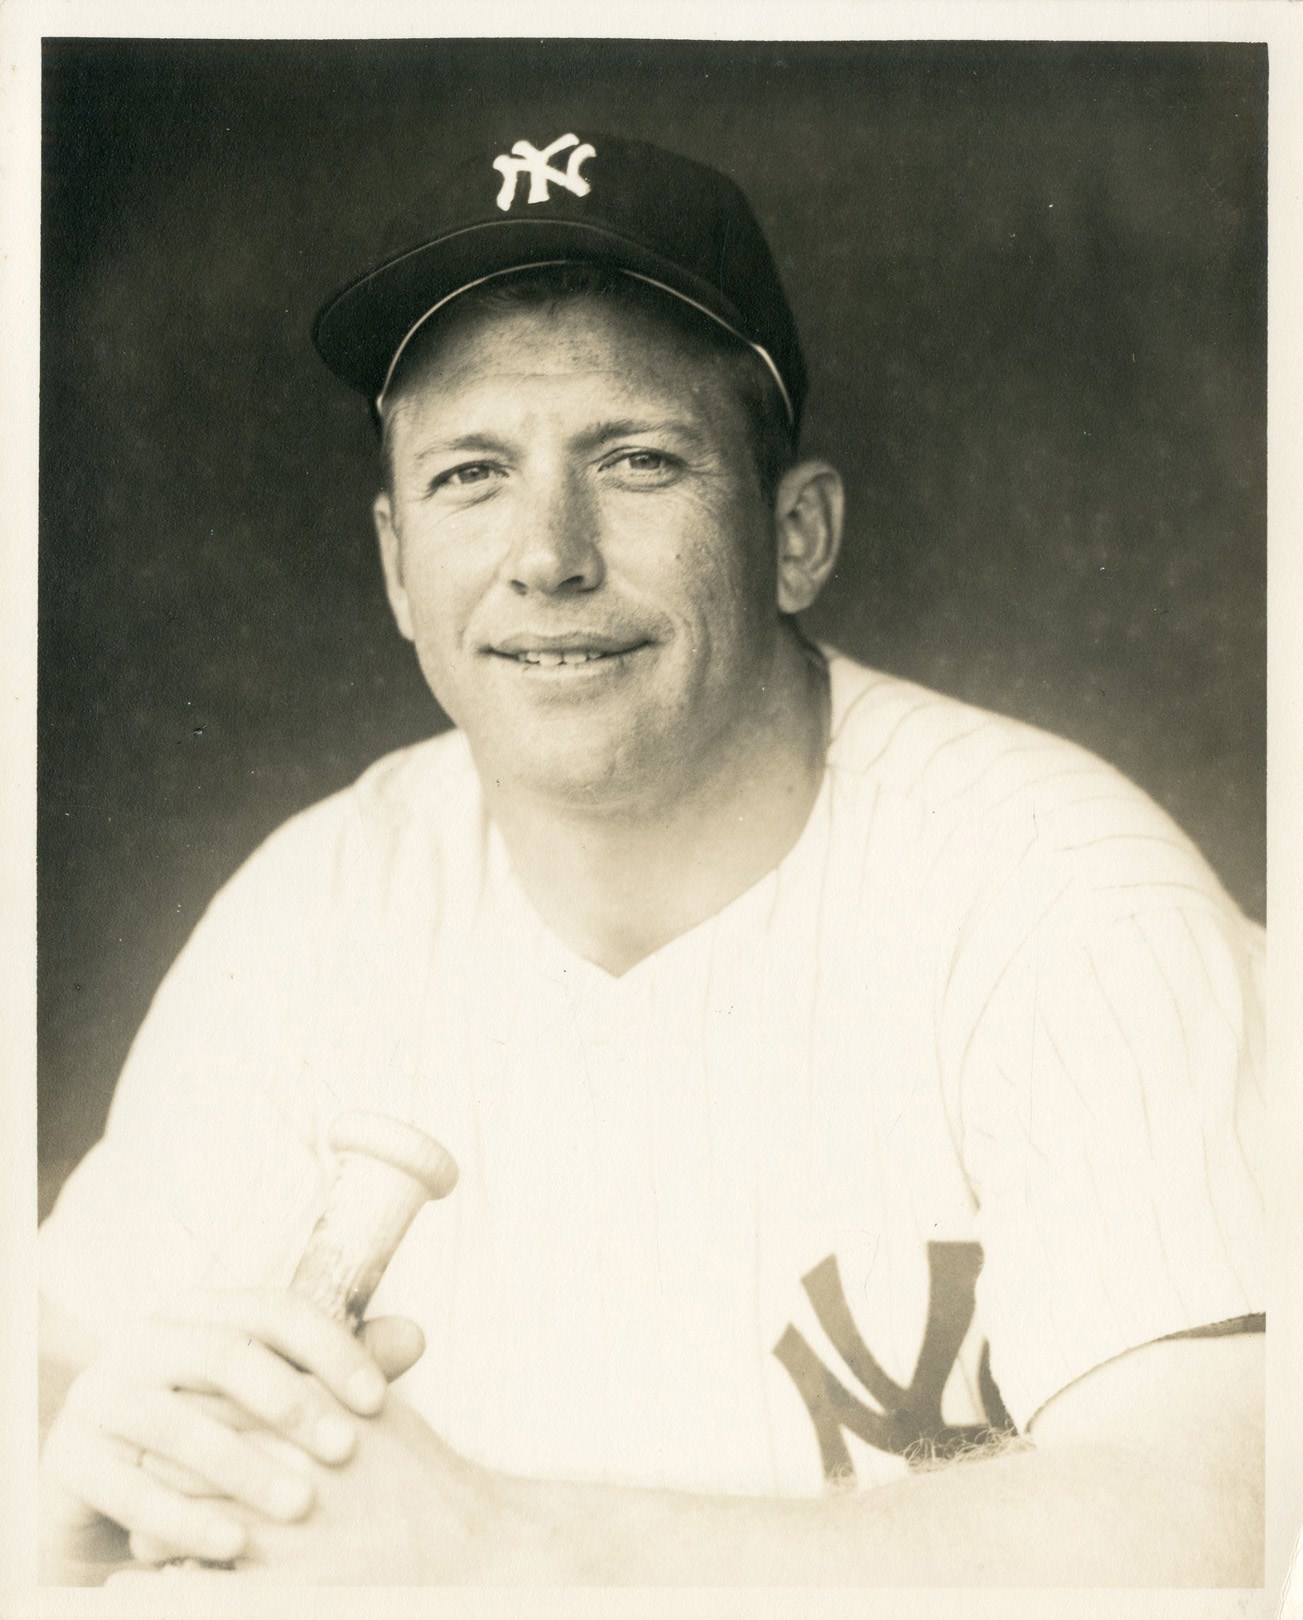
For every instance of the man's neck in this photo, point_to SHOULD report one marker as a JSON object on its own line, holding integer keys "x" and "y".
{"x": 616, "y": 888}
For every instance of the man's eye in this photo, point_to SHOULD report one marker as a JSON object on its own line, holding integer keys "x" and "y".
{"x": 647, "y": 466}
{"x": 465, "y": 476}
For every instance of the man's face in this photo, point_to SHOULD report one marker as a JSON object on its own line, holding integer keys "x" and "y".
{"x": 577, "y": 544}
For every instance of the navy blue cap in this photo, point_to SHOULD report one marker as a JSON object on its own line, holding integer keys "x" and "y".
{"x": 588, "y": 198}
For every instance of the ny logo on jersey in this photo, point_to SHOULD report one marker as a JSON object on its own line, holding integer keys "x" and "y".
{"x": 538, "y": 166}
{"x": 906, "y": 1422}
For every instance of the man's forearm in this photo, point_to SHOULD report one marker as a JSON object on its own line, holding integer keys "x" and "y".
{"x": 1146, "y": 1472}
{"x": 1088, "y": 1516}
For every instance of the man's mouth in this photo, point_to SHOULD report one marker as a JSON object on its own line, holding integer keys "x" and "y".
{"x": 553, "y": 653}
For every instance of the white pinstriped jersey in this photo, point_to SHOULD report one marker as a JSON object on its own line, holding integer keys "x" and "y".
{"x": 959, "y": 1102}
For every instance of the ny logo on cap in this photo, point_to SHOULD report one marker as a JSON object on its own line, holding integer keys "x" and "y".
{"x": 537, "y": 165}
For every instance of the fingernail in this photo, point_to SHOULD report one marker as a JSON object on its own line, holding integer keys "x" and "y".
{"x": 223, "y": 1539}
{"x": 333, "y": 1437}
{"x": 290, "y": 1498}
{"x": 365, "y": 1390}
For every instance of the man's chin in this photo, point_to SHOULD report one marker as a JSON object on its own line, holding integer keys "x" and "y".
{"x": 577, "y": 772}
{"x": 578, "y": 785}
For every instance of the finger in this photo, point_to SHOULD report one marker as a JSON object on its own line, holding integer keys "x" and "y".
{"x": 282, "y": 1451}
{"x": 224, "y": 1362}
{"x": 300, "y": 1332}
{"x": 96, "y": 1472}
{"x": 173, "y": 1475}
{"x": 146, "y": 1549}
{"x": 221, "y": 1408}
{"x": 394, "y": 1343}
{"x": 169, "y": 1426}
{"x": 224, "y": 1410}
{"x": 153, "y": 1583}
{"x": 271, "y": 1444}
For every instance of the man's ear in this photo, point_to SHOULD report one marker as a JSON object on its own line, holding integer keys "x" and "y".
{"x": 391, "y": 560}
{"x": 808, "y": 510}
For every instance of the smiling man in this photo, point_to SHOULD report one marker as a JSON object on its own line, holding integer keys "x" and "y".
{"x": 577, "y": 538}
{"x": 856, "y": 1095}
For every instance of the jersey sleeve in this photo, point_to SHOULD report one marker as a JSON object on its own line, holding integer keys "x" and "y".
{"x": 208, "y": 1169}
{"x": 1106, "y": 1066}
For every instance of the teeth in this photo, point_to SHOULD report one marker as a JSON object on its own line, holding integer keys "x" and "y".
{"x": 550, "y": 660}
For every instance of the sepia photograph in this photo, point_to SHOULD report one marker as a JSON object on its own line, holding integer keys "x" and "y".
{"x": 651, "y": 813}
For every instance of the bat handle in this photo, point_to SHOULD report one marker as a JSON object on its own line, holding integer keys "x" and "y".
{"x": 385, "y": 1171}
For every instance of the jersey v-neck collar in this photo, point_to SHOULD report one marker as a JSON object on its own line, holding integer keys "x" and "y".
{"x": 562, "y": 962}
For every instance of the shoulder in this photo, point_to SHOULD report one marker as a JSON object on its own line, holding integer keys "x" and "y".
{"x": 999, "y": 786}
{"x": 946, "y": 753}
{"x": 384, "y": 831}
{"x": 402, "y": 794}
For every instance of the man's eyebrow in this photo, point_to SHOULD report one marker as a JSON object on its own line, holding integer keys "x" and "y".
{"x": 631, "y": 426}
{"x": 478, "y": 443}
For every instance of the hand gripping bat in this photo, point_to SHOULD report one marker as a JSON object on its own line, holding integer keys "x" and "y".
{"x": 385, "y": 1171}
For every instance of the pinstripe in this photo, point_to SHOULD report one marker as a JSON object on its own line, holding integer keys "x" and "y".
{"x": 872, "y": 689}
{"x": 1168, "y": 1270}
{"x": 1154, "y": 958}
{"x": 1203, "y": 1134}
{"x": 1036, "y": 783}
{"x": 950, "y": 742}
{"x": 1105, "y": 1292}
{"x": 870, "y": 829}
{"x": 921, "y": 706}
{"x": 1185, "y": 1041}
{"x": 1078, "y": 802}
{"x": 1004, "y": 971}
{"x": 981, "y": 906}
{"x": 1208, "y": 978}
{"x": 1001, "y": 758}
{"x": 1122, "y": 838}
{"x": 1031, "y": 1056}
{"x": 1051, "y": 1269}
{"x": 1066, "y": 1071}
{"x": 1252, "y": 1015}
{"x": 761, "y": 1342}
{"x": 1130, "y": 1051}
{"x": 1156, "y": 887}
{"x": 1023, "y": 1125}
{"x": 816, "y": 986}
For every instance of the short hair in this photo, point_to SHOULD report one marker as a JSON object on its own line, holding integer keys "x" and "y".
{"x": 772, "y": 436}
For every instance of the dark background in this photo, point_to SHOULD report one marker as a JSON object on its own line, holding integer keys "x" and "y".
{"x": 1031, "y": 282}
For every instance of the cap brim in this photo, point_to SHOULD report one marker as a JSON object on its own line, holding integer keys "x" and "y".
{"x": 362, "y": 332}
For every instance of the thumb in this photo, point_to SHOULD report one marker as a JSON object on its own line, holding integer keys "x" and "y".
{"x": 394, "y": 1343}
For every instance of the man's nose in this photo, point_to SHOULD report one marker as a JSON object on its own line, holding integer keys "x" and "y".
{"x": 558, "y": 547}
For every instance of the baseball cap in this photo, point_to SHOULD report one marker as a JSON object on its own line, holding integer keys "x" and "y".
{"x": 580, "y": 197}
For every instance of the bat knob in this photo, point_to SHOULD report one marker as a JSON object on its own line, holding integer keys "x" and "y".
{"x": 385, "y": 1171}
{"x": 401, "y": 1146}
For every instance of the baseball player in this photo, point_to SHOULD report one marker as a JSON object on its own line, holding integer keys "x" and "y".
{"x": 856, "y": 1095}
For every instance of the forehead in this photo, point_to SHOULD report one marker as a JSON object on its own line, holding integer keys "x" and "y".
{"x": 586, "y": 352}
